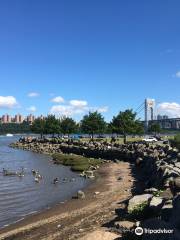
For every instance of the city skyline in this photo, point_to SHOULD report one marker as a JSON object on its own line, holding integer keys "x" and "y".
{"x": 73, "y": 58}
{"x": 17, "y": 118}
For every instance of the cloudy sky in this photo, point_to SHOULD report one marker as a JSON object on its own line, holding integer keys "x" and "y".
{"x": 70, "y": 57}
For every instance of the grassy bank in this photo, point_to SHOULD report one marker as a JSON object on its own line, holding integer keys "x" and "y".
{"x": 77, "y": 163}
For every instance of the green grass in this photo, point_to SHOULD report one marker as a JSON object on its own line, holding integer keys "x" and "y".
{"x": 158, "y": 193}
{"x": 77, "y": 162}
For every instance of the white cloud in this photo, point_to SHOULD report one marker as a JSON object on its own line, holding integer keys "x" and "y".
{"x": 178, "y": 74}
{"x": 75, "y": 107}
{"x": 8, "y": 102}
{"x": 170, "y": 109}
{"x": 31, "y": 109}
{"x": 33, "y": 94}
{"x": 58, "y": 99}
{"x": 102, "y": 109}
{"x": 78, "y": 103}
{"x": 65, "y": 110}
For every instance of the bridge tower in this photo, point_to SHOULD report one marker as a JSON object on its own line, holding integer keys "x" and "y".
{"x": 149, "y": 111}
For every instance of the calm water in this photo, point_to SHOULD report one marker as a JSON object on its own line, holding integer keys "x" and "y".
{"x": 22, "y": 196}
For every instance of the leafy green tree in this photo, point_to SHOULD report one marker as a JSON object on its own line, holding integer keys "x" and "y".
{"x": 126, "y": 123}
{"x": 38, "y": 126}
{"x": 68, "y": 125}
{"x": 93, "y": 123}
{"x": 52, "y": 125}
{"x": 155, "y": 128}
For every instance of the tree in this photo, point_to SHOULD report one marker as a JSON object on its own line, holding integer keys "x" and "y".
{"x": 38, "y": 126}
{"x": 68, "y": 126}
{"x": 126, "y": 123}
{"x": 52, "y": 125}
{"x": 155, "y": 128}
{"x": 93, "y": 123}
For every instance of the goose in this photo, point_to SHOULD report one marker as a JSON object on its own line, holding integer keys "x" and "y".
{"x": 36, "y": 179}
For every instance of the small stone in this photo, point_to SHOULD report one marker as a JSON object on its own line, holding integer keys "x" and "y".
{"x": 137, "y": 224}
{"x": 96, "y": 193}
{"x": 80, "y": 194}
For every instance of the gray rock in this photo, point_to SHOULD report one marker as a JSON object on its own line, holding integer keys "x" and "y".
{"x": 151, "y": 190}
{"x": 177, "y": 164}
{"x": 166, "y": 194}
{"x": 89, "y": 174}
{"x": 124, "y": 224}
{"x": 177, "y": 183}
{"x": 138, "y": 200}
{"x": 80, "y": 194}
{"x": 156, "y": 203}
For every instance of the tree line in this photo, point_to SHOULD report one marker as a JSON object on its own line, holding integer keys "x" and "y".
{"x": 15, "y": 128}
{"x": 124, "y": 123}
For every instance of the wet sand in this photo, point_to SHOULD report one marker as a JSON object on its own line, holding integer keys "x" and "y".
{"x": 77, "y": 218}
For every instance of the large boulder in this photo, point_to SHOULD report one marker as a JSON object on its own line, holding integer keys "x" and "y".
{"x": 156, "y": 203}
{"x": 177, "y": 184}
{"x": 138, "y": 200}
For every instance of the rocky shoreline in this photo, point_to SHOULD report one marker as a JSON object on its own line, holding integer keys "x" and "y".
{"x": 157, "y": 204}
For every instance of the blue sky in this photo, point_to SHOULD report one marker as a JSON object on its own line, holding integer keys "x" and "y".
{"x": 104, "y": 55}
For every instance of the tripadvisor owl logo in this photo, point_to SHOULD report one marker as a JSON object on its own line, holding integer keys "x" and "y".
{"x": 139, "y": 231}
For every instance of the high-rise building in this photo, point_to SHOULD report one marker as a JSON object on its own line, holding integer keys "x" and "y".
{"x": 6, "y": 118}
{"x": 30, "y": 118}
{"x": 18, "y": 118}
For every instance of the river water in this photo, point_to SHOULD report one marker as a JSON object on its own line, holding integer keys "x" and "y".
{"x": 23, "y": 196}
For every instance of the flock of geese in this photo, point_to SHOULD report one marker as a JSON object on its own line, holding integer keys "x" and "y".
{"x": 37, "y": 176}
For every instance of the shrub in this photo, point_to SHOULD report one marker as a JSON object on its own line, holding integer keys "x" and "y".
{"x": 140, "y": 211}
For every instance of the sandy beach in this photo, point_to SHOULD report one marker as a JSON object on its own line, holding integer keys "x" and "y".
{"x": 79, "y": 218}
